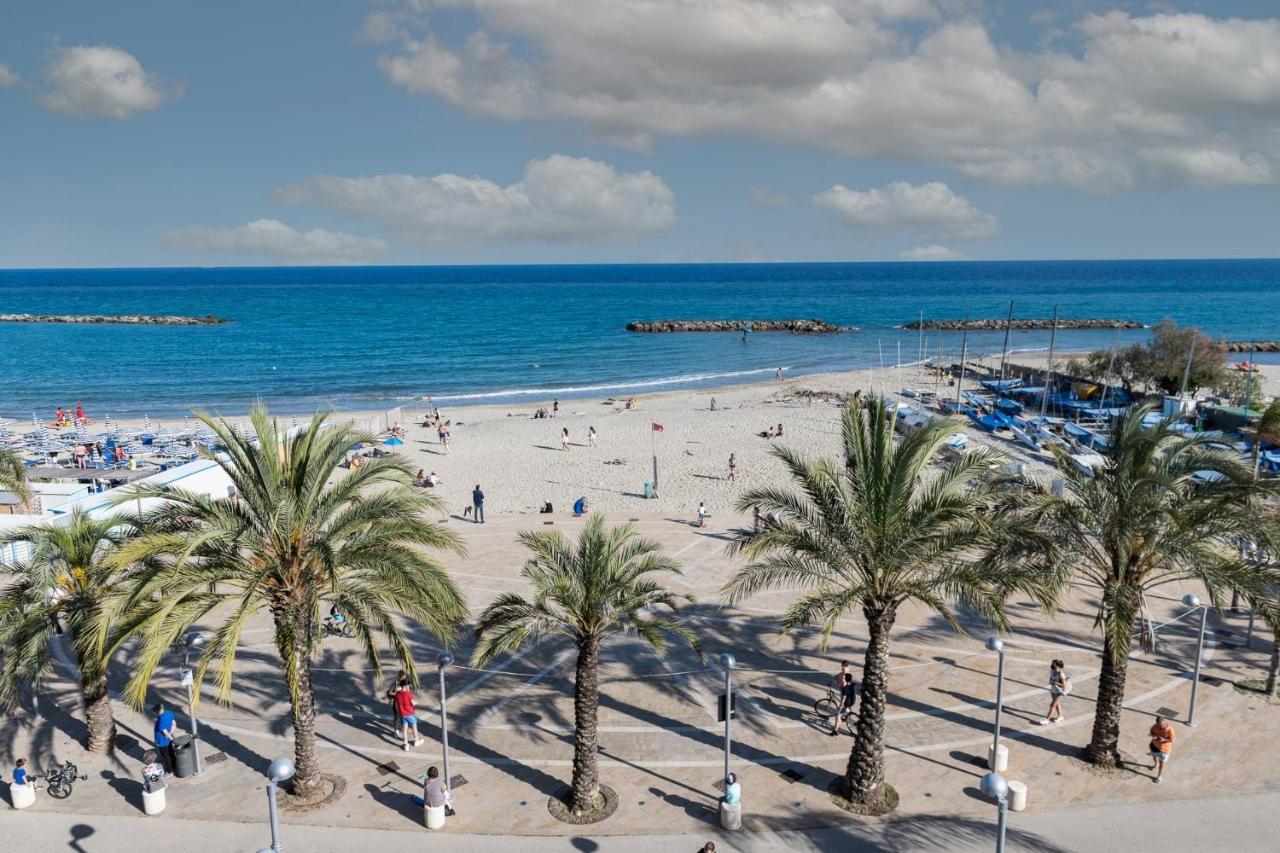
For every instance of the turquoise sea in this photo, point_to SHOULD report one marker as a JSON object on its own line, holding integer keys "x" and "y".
{"x": 366, "y": 337}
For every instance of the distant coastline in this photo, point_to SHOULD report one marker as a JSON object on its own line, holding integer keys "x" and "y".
{"x": 121, "y": 320}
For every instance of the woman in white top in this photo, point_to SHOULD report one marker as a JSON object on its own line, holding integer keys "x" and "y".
{"x": 591, "y": 436}
{"x": 1059, "y": 686}
{"x": 564, "y": 439}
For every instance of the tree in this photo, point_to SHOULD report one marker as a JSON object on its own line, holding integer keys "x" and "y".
{"x": 13, "y": 477}
{"x": 870, "y": 533}
{"x": 1237, "y": 387}
{"x": 1161, "y": 362}
{"x": 1266, "y": 432}
{"x": 70, "y": 573}
{"x": 289, "y": 542}
{"x": 587, "y": 591}
{"x": 1165, "y": 508}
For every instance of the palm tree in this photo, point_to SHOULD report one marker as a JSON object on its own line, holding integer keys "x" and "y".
{"x": 65, "y": 581}
{"x": 870, "y": 533}
{"x": 1165, "y": 508}
{"x": 290, "y": 541}
{"x": 586, "y": 591}
{"x": 13, "y": 477}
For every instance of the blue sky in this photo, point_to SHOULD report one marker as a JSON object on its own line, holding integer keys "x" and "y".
{"x": 502, "y": 131}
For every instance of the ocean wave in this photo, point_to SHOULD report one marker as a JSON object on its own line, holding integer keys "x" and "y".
{"x": 609, "y": 386}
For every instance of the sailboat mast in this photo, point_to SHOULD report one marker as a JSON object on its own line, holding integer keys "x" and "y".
{"x": 964, "y": 353}
{"x": 1004, "y": 353}
{"x": 1048, "y": 385}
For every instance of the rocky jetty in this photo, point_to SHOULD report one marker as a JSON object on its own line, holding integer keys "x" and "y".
{"x": 808, "y": 327}
{"x": 124, "y": 319}
{"x": 1045, "y": 323}
{"x": 1250, "y": 346}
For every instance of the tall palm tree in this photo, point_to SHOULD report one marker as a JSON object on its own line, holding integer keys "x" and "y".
{"x": 586, "y": 591}
{"x": 296, "y": 536}
{"x": 64, "y": 583}
{"x": 1164, "y": 509}
{"x": 870, "y": 533}
{"x": 13, "y": 477}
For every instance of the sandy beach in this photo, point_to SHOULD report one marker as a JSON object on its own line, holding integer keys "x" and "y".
{"x": 518, "y": 461}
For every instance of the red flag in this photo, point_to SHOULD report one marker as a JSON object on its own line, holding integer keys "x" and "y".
{"x": 657, "y": 427}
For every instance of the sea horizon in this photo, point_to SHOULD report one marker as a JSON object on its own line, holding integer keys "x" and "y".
{"x": 368, "y": 337}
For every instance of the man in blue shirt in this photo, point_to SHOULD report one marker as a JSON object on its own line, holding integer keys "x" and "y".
{"x": 477, "y": 504}
{"x": 164, "y": 736}
{"x": 20, "y": 772}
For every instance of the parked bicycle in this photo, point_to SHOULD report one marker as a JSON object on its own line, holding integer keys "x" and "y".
{"x": 830, "y": 705}
{"x": 59, "y": 780}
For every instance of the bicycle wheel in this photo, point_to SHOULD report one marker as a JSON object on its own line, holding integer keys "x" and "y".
{"x": 347, "y": 630}
{"x": 826, "y": 707}
{"x": 72, "y": 770}
{"x": 58, "y": 790}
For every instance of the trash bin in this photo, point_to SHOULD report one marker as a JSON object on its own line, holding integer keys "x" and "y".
{"x": 184, "y": 762}
{"x": 22, "y": 796}
{"x": 648, "y": 489}
{"x": 153, "y": 800}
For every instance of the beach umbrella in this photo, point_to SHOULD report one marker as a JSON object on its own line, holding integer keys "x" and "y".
{"x": 393, "y": 442}
{"x": 356, "y": 446}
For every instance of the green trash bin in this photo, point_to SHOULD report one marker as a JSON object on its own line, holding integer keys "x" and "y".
{"x": 648, "y": 489}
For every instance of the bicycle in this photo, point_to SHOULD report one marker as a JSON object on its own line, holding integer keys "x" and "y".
{"x": 333, "y": 628}
{"x": 59, "y": 781}
{"x": 830, "y": 705}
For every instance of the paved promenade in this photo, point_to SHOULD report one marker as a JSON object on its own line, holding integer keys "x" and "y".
{"x": 660, "y": 744}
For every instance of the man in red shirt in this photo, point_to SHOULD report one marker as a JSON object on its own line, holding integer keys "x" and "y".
{"x": 406, "y": 710}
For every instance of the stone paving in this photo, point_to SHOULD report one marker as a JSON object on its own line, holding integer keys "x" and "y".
{"x": 661, "y": 747}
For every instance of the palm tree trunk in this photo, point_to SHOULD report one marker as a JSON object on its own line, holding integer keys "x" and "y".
{"x": 1104, "y": 749}
{"x": 307, "y": 778}
{"x": 98, "y": 715}
{"x": 1274, "y": 669}
{"x": 586, "y": 704}
{"x": 864, "y": 776}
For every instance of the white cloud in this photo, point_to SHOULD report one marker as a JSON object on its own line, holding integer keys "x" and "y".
{"x": 766, "y": 197}
{"x": 928, "y": 209}
{"x": 8, "y": 77}
{"x": 558, "y": 199}
{"x": 279, "y": 243}
{"x": 932, "y": 252}
{"x": 853, "y": 77}
{"x": 100, "y": 81}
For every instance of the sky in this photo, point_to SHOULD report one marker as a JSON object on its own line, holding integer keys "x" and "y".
{"x": 153, "y": 133}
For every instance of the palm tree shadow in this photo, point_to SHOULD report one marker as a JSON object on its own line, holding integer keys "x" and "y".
{"x": 396, "y": 801}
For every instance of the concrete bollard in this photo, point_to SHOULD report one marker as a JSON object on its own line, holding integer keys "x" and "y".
{"x": 730, "y": 815}
{"x": 434, "y": 817}
{"x": 153, "y": 801}
{"x": 999, "y": 762}
{"x": 22, "y": 796}
{"x": 1017, "y": 795}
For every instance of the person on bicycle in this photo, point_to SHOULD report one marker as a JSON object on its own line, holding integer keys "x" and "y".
{"x": 843, "y": 686}
{"x": 336, "y": 617}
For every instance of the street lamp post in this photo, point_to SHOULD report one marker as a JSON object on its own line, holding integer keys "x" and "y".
{"x": 281, "y": 770}
{"x": 442, "y": 661}
{"x": 996, "y": 645}
{"x": 1191, "y": 600}
{"x": 193, "y": 642}
{"x": 994, "y": 786}
{"x": 727, "y": 663}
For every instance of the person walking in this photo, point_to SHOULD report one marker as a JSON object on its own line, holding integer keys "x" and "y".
{"x": 703, "y": 512}
{"x": 163, "y": 736}
{"x": 733, "y": 468}
{"x": 591, "y": 437}
{"x": 408, "y": 714}
{"x": 477, "y": 505}
{"x": 1161, "y": 746}
{"x": 1059, "y": 686}
{"x": 564, "y": 439}
{"x": 555, "y": 408}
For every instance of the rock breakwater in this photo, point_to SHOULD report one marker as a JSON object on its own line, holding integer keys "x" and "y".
{"x": 809, "y": 327}
{"x": 122, "y": 319}
{"x": 1023, "y": 323}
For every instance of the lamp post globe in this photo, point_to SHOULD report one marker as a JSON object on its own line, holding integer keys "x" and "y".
{"x": 995, "y": 644}
{"x": 444, "y": 659}
{"x": 280, "y": 770}
{"x": 195, "y": 640}
{"x": 727, "y": 661}
{"x": 994, "y": 786}
{"x": 1191, "y": 600}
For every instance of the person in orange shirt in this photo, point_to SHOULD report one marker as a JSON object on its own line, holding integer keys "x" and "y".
{"x": 1161, "y": 745}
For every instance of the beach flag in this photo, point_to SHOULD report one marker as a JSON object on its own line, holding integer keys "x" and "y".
{"x": 657, "y": 427}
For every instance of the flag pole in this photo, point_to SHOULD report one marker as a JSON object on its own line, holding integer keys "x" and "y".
{"x": 653, "y": 435}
